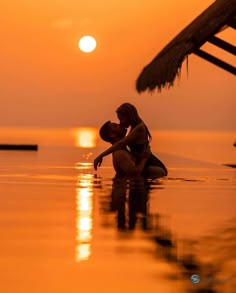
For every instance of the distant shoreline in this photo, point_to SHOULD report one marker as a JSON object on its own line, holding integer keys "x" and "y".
{"x": 20, "y": 147}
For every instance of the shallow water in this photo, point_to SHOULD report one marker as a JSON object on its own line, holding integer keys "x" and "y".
{"x": 65, "y": 228}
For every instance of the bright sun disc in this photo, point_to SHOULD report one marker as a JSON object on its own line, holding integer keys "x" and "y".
{"x": 87, "y": 44}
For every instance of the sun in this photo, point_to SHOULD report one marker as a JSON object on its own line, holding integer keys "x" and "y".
{"x": 87, "y": 44}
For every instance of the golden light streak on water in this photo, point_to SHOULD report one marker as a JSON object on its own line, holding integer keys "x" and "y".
{"x": 84, "y": 217}
{"x": 83, "y": 252}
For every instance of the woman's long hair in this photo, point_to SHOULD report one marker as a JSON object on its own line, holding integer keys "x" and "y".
{"x": 128, "y": 110}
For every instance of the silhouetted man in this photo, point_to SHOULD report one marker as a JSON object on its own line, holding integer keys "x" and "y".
{"x": 123, "y": 160}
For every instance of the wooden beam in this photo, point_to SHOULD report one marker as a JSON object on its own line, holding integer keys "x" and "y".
{"x": 232, "y": 22}
{"x": 215, "y": 61}
{"x": 222, "y": 44}
{"x": 164, "y": 68}
{"x": 19, "y": 147}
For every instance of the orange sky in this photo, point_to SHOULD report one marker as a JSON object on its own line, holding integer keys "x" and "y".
{"x": 46, "y": 81}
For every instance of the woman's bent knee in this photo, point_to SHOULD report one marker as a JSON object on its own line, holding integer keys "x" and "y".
{"x": 155, "y": 172}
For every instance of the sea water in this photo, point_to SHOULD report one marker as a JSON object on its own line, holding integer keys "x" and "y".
{"x": 66, "y": 228}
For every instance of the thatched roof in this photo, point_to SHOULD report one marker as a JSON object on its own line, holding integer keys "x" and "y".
{"x": 166, "y": 66}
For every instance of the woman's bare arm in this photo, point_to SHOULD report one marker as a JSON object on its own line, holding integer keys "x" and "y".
{"x": 135, "y": 135}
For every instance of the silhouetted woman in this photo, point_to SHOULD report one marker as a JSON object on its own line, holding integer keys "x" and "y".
{"x": 137, "y": 140}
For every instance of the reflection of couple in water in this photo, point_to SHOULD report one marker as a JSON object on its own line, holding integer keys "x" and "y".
{"x": 133, "y": 162}
{"x": 131, "y": 206}
{"x": 131, "y": 153}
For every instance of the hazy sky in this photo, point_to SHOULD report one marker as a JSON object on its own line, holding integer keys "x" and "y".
{"x": 45, "y": 80}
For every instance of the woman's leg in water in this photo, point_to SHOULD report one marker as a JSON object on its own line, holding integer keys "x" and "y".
{"x": 154, "y": 172}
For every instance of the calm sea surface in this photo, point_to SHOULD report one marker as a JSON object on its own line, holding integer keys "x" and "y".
{"x": 66, "y": 228}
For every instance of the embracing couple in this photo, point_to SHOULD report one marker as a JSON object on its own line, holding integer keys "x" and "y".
{"x": 131, "y": 153}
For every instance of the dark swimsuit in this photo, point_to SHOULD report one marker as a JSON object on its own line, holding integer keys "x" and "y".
{"x": 152, "y": 160}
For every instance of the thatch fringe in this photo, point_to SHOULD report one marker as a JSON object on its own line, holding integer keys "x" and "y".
{"x": 162, "y": 72}
{"x": 166, "y": 66}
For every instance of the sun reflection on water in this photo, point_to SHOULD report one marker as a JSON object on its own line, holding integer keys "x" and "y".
{"x": 86, "y": 137}
{"x": 84, "y": 218}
